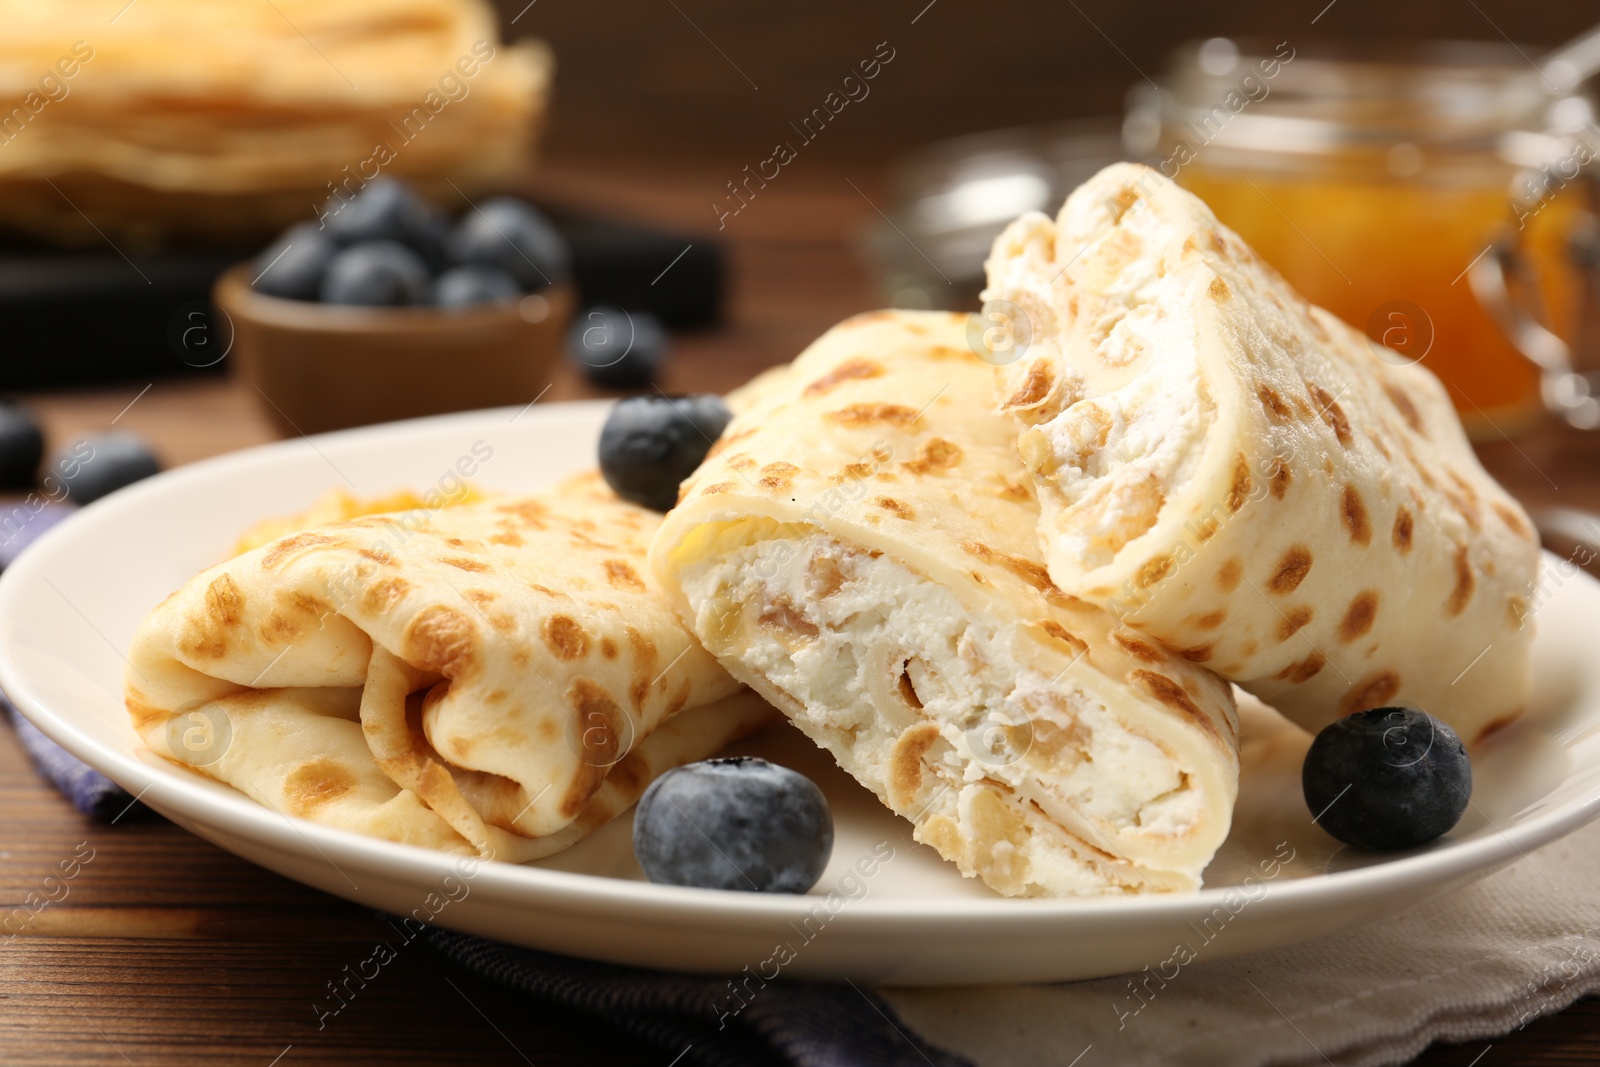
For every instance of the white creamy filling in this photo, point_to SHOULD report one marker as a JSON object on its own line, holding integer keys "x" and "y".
{"x": 862, "y": 640}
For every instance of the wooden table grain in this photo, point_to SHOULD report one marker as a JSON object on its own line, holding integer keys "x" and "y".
{"x": 167, "y": 950}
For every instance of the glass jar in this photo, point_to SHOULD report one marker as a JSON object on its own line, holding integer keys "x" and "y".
{"x": 1437, "y": 198}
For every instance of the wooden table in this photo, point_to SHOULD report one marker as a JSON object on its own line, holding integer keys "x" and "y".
{"x": 168, "y": 950}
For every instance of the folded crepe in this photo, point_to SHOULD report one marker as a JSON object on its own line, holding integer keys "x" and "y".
{"x": 860, "y": 548}
{"x": 1244, "y": 477}
{"x": 500, "y": 677}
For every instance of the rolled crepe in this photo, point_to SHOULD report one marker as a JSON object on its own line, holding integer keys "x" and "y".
{"x": 1245, "y": 478}
{"x": 500, "y": 677}
{"x": 861, "y": 550}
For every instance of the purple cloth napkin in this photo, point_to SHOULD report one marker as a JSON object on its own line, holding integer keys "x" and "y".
{"x": 90, "y": 791}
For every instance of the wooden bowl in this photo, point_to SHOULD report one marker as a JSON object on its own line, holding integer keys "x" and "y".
{"x": 323, "y": 367}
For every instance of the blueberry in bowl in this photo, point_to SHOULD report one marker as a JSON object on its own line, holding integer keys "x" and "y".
{"x": 292, "y": 266}
{"x": 650, "y": 444}
{"x": 375, "y": 274}
{"x": 507, "y": 233}
{"x": 474, "y": 284}
{"x": 1387, "y": 779}
{"x": 387, "y": 209}
{"x": 743, "y": 824}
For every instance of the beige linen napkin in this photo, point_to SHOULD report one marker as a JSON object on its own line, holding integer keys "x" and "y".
{"x": 1474, "y": 964}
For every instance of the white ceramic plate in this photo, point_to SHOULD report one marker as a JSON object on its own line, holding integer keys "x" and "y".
{"x": 68, "y": 608}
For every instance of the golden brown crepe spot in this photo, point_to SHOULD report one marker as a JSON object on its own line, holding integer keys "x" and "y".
{"x": 1239, "y": 491}
{"x": 741, "y": 461}
{"x": 849, "y": 370}
{"x": 1291, "y": 570}
{"x": 1374, "y": 691}
{"x": 1353, "y": 513}
{"x": 630, "y": 775}
{"x": 1170, "y": 693}
{"x": 1248, "y": 649}
{"x": 315, "y": 783}
{"x": 947, "y": 352}
{"x": 1402, "y": 531}
{"x": 1035, "y": 387}
{"x": 1026, "y": 569}
{"x": 824, "y": 577}
{"x": 1229, "y": 574}
{"x": 1218, "y": 289}
{"x": 1010, "y": 490}
{"x": 1279, "y": 477}
{"x": 679, "y": 701}
{"x": 1213, "y": 620}
{"x": 1065, "y": 636}
{"x": 1303, "y": 671}
{"x": 531, "y": 512}
{"x": 1198, "y": 654}
{"x": 599, "y": 725}
{"x": 1461, "y": 595}
{"x": 144, "y": 716}
{"x": 1464, "y": 499}
{"x": 1136, "y": 648}
{"x": 1496, "y": 725}
{"x": 509, "y": 538}
{"x": 1359, "y": 615}
{"x": 1207, "y": 529}
{"x": 935, "y": 454}
{"x": 855, "y": 470}
{"x": 644, "y": 666}
{"x": 904, "y": 777}
{"x": 720, "y": 487}
{"x": 1331, "y": 412}
{"x": 1273, "y": 401}
{"x": 1292, "y": 621}
{"x": 1154, "y": 570}
{"x": 621, "y": 575}
{"x": 377, "y": 555}
{"x": 290, "y": 545}
{"x": 856, "y": 415}
{"x": 476, "y": 566}
{"x": 224, "y": 604}
{"x": 1404, "y": 406}
{"x": 901, "y": 510}
{"x": 1122, "y": 200}
{"x": 565, "y": 637}
{"x": 441, "y": 640}
{"x": 781, "y": 615}
{"x": 887, "y": 476}
{"x": 547, "y": 591}
{"x": 778, "y": 476}
{"x": 1218, "y": 245}
{"x": 1516, "y": 611}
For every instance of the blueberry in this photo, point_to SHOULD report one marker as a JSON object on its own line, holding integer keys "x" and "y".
{"x": 509, "y": 234}
{"x": 292, "y": 266}
{"x": 618, "y": 349}
{"x": 21, "y": 447}
{"x": 378, "y": 273}
{"x": 1389, "y": 778}
{"x": 474, "y": 284}
{"x": 742, "y": 824}
{"x": 651, "y": 443}
{"x": 386, "y": 209}
{"x": 100, "y": 464}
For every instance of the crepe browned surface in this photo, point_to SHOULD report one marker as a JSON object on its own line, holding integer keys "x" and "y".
{"x": 1248, "y": 479}
{"x": 232, "y": 120}
{"x": 861, "y": 549}
{"x": 501, "y": 677}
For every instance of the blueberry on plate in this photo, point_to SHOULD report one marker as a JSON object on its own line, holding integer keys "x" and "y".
{"x": 101, "y": 464}
{"x": 474, "y": 284}
{"x": 651, "y": 443}
{"x": 386, "y": 209}
{"x": 292, "y": 266}
{"x": 618, "y": 349}
{"x": 21, "y": 447}
{"x": 376, "y": 274}
{"x": 741, "y": 823}
{"x": 1387, "y": 779}
{"x": 505, "y": 232}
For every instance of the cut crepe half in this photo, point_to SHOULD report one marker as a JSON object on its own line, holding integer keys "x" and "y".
{"x": 1246, "y": 478}
{"x": 861, "y": 549}
{"x": 500, "y": 677}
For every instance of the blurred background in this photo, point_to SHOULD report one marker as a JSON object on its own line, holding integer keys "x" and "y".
{"x": 725, "y": 180}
